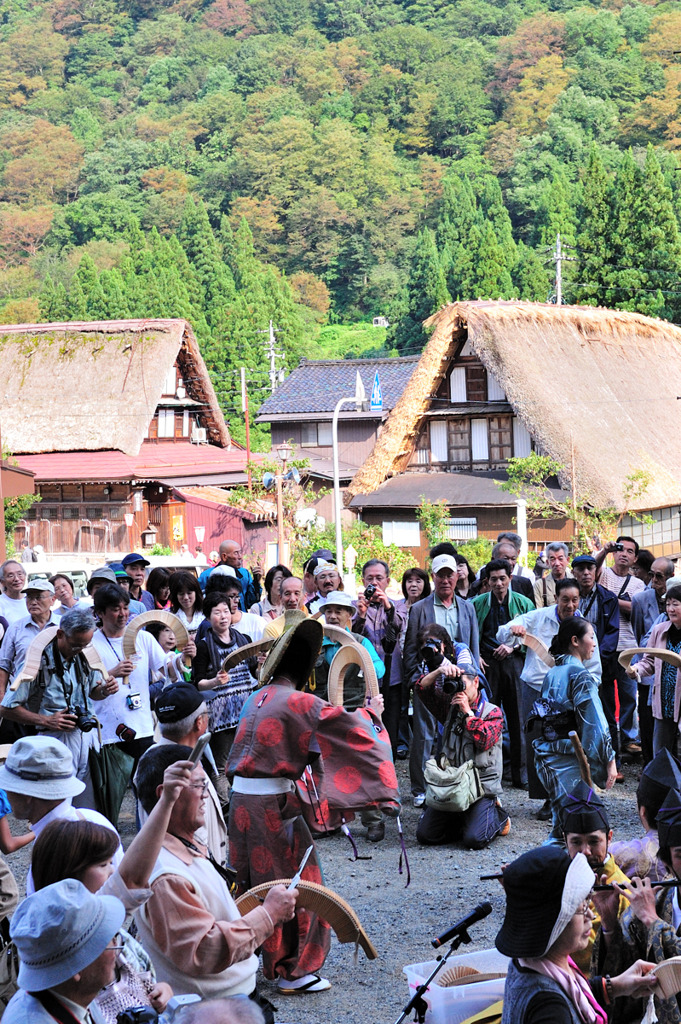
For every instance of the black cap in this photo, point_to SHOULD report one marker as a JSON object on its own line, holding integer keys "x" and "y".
{"x": 669, "y": 820}
{"x": 180, "y": 701}
{"x": 534, "y": 891}
{"x": 583, "y": 811}
{"x": 583, "y": 560}
{"x": 658, "y": 777}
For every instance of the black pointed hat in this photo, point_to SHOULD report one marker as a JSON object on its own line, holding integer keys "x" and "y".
{"x": 659, "y": 776}
{"x": 669, "y": 820}
{"x": 583, "y": 811}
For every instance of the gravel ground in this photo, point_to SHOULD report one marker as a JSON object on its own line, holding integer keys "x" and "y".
{"x": 401, "y": 921}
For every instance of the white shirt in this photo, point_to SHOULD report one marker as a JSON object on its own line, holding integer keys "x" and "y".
{"x": 114, "y": 710}
{"x": 13, "y": 608}
{"x": 251, "y": 625}
{"x": 542, "y": 623}
{"x": 65, "y": 811}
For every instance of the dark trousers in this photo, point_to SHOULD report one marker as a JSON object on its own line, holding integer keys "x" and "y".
{"x": 645, "y": 723}
{"x": 392, "y": 696}
{"x": 609, "y": 666}
{"x": 424, "y": 734}
{"x": 475, "y": 827}
{"x": 503, "y": 676}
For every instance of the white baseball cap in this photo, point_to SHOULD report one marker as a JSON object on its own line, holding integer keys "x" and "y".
{"x": 443, "y": 562}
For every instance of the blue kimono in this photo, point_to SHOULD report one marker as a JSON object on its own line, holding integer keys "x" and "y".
{"x": 572, "y": 686}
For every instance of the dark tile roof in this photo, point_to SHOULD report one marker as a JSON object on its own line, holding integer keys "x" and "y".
{"x": 463, "y": 489}
{"x": 316, "y": 385}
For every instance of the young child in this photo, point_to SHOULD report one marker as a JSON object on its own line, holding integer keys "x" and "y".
{"x": 8, "y": 842}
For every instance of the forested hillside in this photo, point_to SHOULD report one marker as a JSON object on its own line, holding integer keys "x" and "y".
{"x": 314, "y": 161}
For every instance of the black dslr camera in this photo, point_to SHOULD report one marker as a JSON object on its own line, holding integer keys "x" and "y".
{"x": 84, "y": 720}
{"x": 137, "y": 1015}
{"x": 431, "y": 654}
{"x": 369, "y": 591}
{"x": 452, "y": 686}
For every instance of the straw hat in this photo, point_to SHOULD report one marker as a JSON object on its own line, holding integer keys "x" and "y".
{"x": 300, "y": 647}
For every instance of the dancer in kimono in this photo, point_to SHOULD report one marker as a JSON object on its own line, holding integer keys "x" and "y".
{"x": 282, "y": 730}
{"x": 569, "y": 701}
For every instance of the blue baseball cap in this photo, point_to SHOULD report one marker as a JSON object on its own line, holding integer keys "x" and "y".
{"x": 134, "y": 558}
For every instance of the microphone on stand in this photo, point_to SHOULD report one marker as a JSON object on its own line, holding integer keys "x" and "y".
{"x": 461, "y": 927}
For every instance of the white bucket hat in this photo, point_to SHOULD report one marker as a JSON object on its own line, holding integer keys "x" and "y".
{"x": 340, "y": 599}
{"x": 60, "y": 930}
{"x": 42, "y": 767}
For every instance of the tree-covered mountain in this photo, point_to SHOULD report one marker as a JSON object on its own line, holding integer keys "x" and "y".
{"x": 238, "y": 161}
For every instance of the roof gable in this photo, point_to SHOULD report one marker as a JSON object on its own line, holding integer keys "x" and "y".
{"x": 594, "y": 382}
{"x": 96, "y": 384}
{"x": 315, "y": 386}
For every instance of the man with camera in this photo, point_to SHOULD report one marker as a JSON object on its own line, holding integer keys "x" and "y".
{"x": 382, "y": 622}
{"x": 457, "y": 616}
{"x": 472, "y": 733}
{"x": 621, "y": 581}
{"x": 501, "y": 663}
{"x": 57, "y": 702}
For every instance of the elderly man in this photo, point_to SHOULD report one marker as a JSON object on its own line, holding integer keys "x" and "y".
{"x": 502, "y": 663}
{"x": 234, "y": 1010}
{"x": 458, "y": 618}
{"x": 545, "y": 588}
{"x": 646, "y": 608}
{"x": 230, "y": 555}
{"x": 191, "y": 928}
{"x": 66, "y": 940}
{"x": 383, "y": 622}
{"x": 327, "y": 579}
{"x": 38, "y": 777}
{"x": 542, "y": 623}
{"x": 12, "y": 600}
{"x": 292, "y": 601}
{"x": 183, "y": 718}
{"x": 57, "y": 702}
{"x": 621, "y": 581}
{"x": 39, "y": 600}
{"x": 310, "y": 587}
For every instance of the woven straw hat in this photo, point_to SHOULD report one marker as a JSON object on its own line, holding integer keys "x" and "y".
{"x": 301, "y": 646}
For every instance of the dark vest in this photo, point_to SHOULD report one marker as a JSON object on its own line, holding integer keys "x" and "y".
{"x": 521, "y": 986}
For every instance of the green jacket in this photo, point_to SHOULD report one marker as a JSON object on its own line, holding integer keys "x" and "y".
{"x": 517, "y": 605}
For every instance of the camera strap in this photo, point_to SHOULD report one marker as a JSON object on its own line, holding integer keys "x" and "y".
{"x": 56, "y": 1009}
{"x": 228, "y": 874}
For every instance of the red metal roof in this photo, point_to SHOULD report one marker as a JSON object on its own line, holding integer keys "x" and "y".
{"x": 163, "y": 461}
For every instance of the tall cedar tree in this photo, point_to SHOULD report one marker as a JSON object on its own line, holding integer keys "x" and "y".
{"x": 426, "y": 292}
{"x": 593, "y": 241}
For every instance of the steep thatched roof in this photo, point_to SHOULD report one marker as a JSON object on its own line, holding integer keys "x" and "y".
{"x": 596, "y": 384}
{"x": 89, "y": 386}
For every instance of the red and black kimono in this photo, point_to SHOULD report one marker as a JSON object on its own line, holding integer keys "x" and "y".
{"x": 282, "y": 730}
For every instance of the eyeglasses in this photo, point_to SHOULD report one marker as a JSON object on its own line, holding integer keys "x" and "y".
{"x": 585, "y": 909}
{"x": 203, "y": 786}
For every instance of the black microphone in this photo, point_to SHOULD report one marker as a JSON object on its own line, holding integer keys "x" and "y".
{"x": 462, "y": 926}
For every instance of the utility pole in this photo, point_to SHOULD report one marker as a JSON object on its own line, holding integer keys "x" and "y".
{"x": 244, "y": 409}
{"x": 272, "y": 355}
{"x": 558, "y": 257}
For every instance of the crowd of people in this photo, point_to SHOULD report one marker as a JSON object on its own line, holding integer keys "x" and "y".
{"x": 508, "y": 678}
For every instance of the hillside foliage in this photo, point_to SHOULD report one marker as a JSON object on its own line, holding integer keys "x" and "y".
{"x": 321, "y": 162}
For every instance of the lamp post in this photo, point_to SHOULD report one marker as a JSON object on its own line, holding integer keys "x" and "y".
{"x": 283, "y": 451}
{"x": 359, "y": 398}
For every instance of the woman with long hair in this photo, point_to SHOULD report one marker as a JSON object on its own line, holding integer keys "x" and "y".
{"x": 186, "y": 599}
{"x": 570, "y": 702}
{"x": 157, "y": 593}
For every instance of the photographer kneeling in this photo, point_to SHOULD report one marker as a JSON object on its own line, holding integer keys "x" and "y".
{"x": 470, "y": 809}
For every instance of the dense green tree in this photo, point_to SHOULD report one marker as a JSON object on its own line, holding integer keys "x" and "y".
{"x": 593, "y": 241}
{"x": 426, "y": 292}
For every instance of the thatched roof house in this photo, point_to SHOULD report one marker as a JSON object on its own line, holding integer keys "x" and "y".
{"x": 113, "y": 418}
{"x": 98, "y": 383}
{"x": 596, "y": 388}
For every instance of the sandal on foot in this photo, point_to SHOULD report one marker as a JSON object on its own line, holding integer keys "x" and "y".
{"x": 301, "y": 986}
